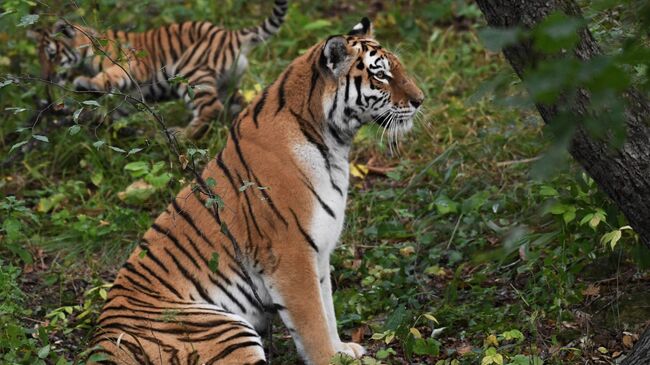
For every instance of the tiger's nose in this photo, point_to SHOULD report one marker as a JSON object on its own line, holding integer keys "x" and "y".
{"x": 417, "y": 101}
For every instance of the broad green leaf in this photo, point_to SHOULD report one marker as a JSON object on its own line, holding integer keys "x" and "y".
{"x": 41, "y": 138}
{"x": 27, "y": 20}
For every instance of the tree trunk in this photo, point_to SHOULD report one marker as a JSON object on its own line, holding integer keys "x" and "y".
{"x": 623, "y": 174}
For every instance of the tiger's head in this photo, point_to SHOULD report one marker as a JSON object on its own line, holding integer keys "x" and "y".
{"x": 58, "y": 49}
{"x": 367, "y": 83}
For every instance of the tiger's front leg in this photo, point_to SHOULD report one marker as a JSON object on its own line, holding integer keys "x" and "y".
{"x": 295, "y": 286}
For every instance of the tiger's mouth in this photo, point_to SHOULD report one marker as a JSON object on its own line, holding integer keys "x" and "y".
{"x": 401, "y": 118}
{"x": 396, "y": 122}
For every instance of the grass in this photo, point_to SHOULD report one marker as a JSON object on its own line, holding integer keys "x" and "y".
{"x": 452, "y": 252}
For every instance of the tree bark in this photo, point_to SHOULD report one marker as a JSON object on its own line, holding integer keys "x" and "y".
{"x": 623, "y": 174}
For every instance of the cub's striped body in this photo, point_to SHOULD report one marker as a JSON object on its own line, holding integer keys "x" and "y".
{"x": 162, "y": 61}
{"x": 283, "y": 179}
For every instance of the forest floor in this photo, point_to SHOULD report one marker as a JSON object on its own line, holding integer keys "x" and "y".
{"x": 469, "y": 244}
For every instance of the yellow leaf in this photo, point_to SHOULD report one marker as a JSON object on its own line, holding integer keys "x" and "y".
{"x": 248, "y": 95}
{"x": 407, "y": 251}
{"x": 415, "y": 332}
{"x": 358, "y": 170}
{"x": 491, "y": 340}
{"x": 430, "y": 317}
{"x": 602, "y": 350}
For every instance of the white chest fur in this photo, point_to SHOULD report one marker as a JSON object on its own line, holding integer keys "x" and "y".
{"x": 329, "y": 180}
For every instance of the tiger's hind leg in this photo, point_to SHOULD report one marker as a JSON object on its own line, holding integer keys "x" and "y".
{"x": 203, "y": 98}
{"x": 194, "y": 335}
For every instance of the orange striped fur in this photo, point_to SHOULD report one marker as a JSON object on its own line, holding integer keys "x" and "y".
{"x": 283, "y": 179}
{"x": 162, "y": 62}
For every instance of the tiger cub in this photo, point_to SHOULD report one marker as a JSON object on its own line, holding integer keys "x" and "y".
{"x": 210, "y": 58}
{"x": 199, "y": 287}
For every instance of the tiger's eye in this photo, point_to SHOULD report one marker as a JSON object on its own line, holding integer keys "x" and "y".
{"x": 380, "y": 74}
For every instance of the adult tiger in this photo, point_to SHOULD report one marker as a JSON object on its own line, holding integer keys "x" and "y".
{"x": 209, "y": 57}
{"x": 283, "y": 178}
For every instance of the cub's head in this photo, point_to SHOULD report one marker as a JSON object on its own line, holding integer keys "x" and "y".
{"x": 58, "y": 49}
{"x": 366, "y": 83}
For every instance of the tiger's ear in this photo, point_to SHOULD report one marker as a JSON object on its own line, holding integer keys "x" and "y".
{"x": 364, "y": 28}
{"x": 65, "y": 28}
{"x": 335, "y": 56}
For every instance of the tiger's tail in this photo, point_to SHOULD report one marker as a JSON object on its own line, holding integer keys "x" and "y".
{"x": 271, "y": 25}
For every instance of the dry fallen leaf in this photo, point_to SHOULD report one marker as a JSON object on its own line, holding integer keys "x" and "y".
{"x": 359, "y": 333}
{"x": 358, "y": 170}
{"x": 465, "y": 349}
{"x": 591, "y": 291}
{"x": 628, "y": 341}
{"x": 184, "y": 161}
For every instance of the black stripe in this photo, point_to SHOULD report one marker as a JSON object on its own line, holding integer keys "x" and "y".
{"x": 304, "y": 233}
{"x": 347, "y": 87}
{"x": 197, "y": 285}
{"x": 322, "y": 203}
{"x": 230, "y": 349}
{"x": 281, "y": 96}
{"x": 176, "y": 243}
{"x": 357, "y": 84}
{"x": 258, "y": 107}
{"x": 161, "y": 280}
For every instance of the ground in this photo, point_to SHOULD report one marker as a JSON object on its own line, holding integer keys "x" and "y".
{"x": 467, "y": 244}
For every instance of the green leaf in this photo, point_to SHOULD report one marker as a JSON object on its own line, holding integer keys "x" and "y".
{"x": 91, "y": 103}
{"x": 75, "y": 115}
{"x": 427, "y": 346}
{"x": 43, "y": 352}
{"x": 12, "y": 227}
{"x": 317, "y": 24}
{"x": 495, "y": 39}
{"x": 41, "y": 138}
{"x": 213, "y": 264}
{"x": 158, "y": 181}
{"x": 117, "y": 149}
{"x": 557, "y": 32}
{"x": 74, "y": 129}
{"x": 211, "y": 182}
{"x": 247, "y": 184}
{"x": 97, "y": 178}
{"x": 99, "y": 144}
{"x": 17, "y": 145}
{"x": 28, "y": 19}
{"x": 444, "y": 205}
{"x": 137, "y": 168}
{"x": 548, "y": 191}
{"x": 134, "y": 151}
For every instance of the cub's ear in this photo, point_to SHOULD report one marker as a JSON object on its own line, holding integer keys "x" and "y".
{"x": 335, "y": 56}
{"x": 364, "y": 28}
{"x": 65, "y": 28}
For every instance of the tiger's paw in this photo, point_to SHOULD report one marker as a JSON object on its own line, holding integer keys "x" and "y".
{"x": 83, "y": 83}
{"x": 353, "y": 349}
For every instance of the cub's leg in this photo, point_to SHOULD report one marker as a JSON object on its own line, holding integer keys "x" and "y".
{"x": 130, "y": 334}
{"x": 204, "y": 100}
{"x": 295, "y": 287}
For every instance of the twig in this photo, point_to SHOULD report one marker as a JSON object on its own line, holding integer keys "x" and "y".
{"x": 516, "y": 162}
